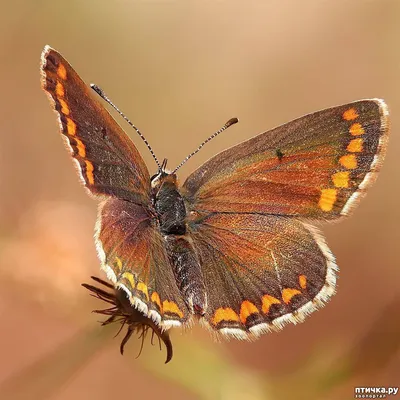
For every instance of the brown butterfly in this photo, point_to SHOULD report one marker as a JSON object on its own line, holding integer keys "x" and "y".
{"x": 233, "y": 246}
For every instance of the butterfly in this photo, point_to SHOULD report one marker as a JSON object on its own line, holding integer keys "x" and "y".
{"x": 233, "y": 247}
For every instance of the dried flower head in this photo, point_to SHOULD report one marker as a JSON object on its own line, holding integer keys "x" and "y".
{"x": 123, "y": 312}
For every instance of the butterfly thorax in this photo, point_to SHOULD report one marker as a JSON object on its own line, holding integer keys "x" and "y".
{"x": 169, "y": 204}
{"x": 171, "y": 214}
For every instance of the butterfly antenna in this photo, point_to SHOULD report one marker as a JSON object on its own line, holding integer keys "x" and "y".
{"x": 101, "y": 93}
{"x": 232, "y": 121}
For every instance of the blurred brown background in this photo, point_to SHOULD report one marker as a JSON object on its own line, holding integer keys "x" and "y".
{"x": 179, "y": 70}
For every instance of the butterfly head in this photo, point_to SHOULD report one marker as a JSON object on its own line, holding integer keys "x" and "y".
{"x": 162, "y": 175}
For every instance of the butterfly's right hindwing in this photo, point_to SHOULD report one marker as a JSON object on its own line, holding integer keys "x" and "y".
{"x": 134, "y": 257}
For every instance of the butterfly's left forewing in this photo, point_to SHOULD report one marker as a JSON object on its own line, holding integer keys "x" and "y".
{"x": 314, "y": 167}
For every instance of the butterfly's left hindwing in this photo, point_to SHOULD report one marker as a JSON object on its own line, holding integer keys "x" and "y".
{"x": 133, "y": 255}
{"x": 261, "y": 271}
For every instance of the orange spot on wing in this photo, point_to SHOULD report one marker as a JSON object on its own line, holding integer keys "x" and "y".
{"x": 288, "y": 294}
{"x": 128, "y": 276}
{"x": 89, "y": 171}
{"x": 71, "y": 127}
{"x": 60, "y": 90}
{"x": 81, "y": 147}
{"x": 155, "y": 298}
{"x": 356, "y": 129}
{"x": 267, "y": 302}
{"x": 327, "y": 199}
{"x": 119, "y": 265}
{"x": 303, "y": 281}
{"x": 143, "y": 288}
{"x": 64, "y": 107}
{"x": 246, "y": 309}
{"x": 350, "y": 114}
{"x": 341, "y": 179}
{"x": 62, "y": 72}
{"x": 355, "y": 145}
{"x": 171, "y": 307}
{"x": 348, "y": 161}
{"x": 225, "y": 314}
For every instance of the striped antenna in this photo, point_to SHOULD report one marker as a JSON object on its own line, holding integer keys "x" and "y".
{"x": 101, "y": 93}
{"x": 232, "y": 121}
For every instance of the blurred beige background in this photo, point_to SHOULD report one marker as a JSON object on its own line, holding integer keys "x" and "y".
{"x": 179, "y": 70}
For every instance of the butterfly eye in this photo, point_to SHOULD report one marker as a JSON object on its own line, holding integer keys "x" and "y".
{"x": 156, "y": 178}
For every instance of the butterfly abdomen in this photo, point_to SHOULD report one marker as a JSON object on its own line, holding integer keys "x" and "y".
{"x": 188, "y": 273}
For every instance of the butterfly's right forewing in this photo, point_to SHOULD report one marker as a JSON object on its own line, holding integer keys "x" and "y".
{"x": 107, "y": 160}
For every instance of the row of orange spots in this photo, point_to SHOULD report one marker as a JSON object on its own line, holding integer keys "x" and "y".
{"x": 166, "y": 307}
{"x": 341, "y": 179}
{"x": 349, "y": 161}
{"x": 247, "y": 308}
{"x": 141, "y": 287}
{"x": 71, "y": 126}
